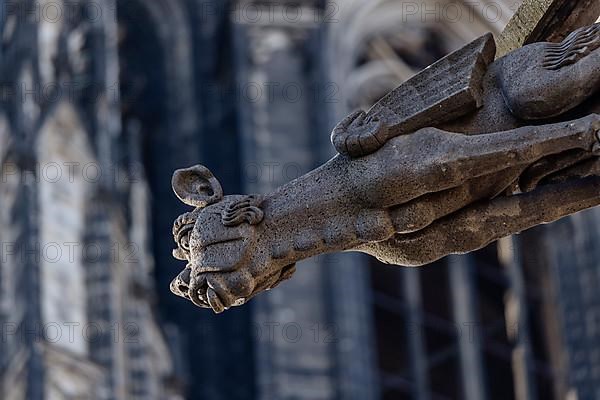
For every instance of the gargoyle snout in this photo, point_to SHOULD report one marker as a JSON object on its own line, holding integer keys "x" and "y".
{"x": 181, "y": 284}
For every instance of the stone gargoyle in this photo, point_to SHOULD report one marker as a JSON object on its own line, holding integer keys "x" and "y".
{"x": 468, "y": 151}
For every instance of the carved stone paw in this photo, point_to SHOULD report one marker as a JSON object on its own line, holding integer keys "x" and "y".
{"x": 223, "y": 290}
{"x": 357, "y": 136}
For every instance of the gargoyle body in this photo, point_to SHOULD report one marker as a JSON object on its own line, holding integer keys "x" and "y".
{"x": 466, "y": 152}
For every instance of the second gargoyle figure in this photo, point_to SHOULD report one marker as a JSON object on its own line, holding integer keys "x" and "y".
{"x": 468, "y": 151}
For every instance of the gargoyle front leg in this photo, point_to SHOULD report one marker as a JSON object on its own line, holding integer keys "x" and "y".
{"x": 425, "y": 210}
{"x": 431, "y": 160}
{"x": 422, "y": 212}
{"x": 480, "y": 224}
{"x": 480, "y": 154}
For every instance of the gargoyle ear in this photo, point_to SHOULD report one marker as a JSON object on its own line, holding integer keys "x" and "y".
{"x": 197, "y": 186}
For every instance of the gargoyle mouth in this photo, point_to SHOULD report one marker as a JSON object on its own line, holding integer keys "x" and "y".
{"x": 221, "y": 290}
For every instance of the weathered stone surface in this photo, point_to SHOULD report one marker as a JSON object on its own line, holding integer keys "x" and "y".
{"x": 412, "y": 196}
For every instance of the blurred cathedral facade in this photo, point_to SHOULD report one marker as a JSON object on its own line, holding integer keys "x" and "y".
{"x": 101, "y": 100}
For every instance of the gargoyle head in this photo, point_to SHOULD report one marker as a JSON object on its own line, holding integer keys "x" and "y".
{"x": 223, "y": 242}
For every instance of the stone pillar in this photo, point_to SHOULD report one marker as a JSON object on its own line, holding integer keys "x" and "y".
{"x": 517, "y": 319}
{"x": 464, "y": 306}
{"x": 417, "y": 350}
{"x": 21, "y": 348}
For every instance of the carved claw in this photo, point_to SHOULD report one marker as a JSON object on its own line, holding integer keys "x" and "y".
{"x": 575, "y": 46}
{"x": 357, "y": 136}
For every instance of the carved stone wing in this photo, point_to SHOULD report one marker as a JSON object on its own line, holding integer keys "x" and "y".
{"x": 448, "y": 89}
